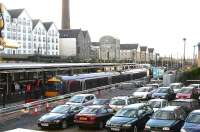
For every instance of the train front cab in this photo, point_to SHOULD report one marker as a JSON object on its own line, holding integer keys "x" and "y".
{"x": 53, "y": 87}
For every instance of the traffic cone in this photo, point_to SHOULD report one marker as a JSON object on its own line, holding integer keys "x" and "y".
{"x": 48, "y": 107}
{"x": 36, "y": 110}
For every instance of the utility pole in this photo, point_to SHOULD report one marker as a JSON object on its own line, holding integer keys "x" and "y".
{"x": 184, "y": 41}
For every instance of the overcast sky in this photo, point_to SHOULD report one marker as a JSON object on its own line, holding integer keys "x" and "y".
{"x": 161, "y": 24}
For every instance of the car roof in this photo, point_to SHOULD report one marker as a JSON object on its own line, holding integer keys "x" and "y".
{"x": 170, "y": 108}
{"x": 95, "y": 106}
{"x": 185, "y": 100}
{"x": 158, "y": 100}
{"x": 196, "y": 111}
{"x": 175, "y": 83}
{"x": 84, "y": 95}
{"x": 135, "y": 106}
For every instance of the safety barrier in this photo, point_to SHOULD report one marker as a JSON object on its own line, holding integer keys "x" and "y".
{"x": 44, "y": 104}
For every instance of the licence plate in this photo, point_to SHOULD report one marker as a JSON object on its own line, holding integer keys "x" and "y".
{"x": 44, "y": 124}
{"x": 83, "y": 118}
{"x": 115, "y": 129}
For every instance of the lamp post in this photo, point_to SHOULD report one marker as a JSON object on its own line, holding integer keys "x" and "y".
{"x": 184, "y": 41}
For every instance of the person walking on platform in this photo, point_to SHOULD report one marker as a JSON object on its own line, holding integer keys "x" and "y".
{"x": 28, "y": 92}
{"x": 37, "y": 88}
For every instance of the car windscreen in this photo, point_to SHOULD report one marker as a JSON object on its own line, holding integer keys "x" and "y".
{"x": 162, "y": 90}
{"x": 155, "y": 104}
{"x": 193, "y": 118}
{"x": 185, "y": 90}
{"x": 101, "y": 102}
{"x": 180, "y": 103}
{"x": 61, "y": 109}
{"x": 76, "y": 99}
{"x": 129, "y": 113}
{"x": 175, "y": 87}
{"x": 164, "y": 115}
{"x": 89, "y": 110}
{"x": 118, "y": 102}
{"x": 143, "y": 89}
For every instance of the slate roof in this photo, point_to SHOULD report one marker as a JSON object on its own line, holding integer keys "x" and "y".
{"x": 47, "y": 25}
{"x": 69, "y": 33}
{"x": 35, "y": 22}
{"x": 143, "y": 48}
{"x": 128, "y": 46}
{"x": 95, "y": 43}
{"x": 150, "y": 50}
{"x": 14, "y": 13}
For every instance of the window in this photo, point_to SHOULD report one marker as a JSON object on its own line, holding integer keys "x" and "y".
{"x": 56, "y": 40}
{"x": 29, "y": 30}
{"x": 52, "y": 47}
{"x": 18, "y": 29}
{"x": 44, "y": 39}
{"x": 43, "y": 32}
{"x": 35, "y": 31}
{"x": 39, "y": 31}
{"x": 14, "y": 28}
{"x": 24, "y": 21}
{"x": 49, "y": 33}
{"x": 29, "y": 45}
{"x": 29, "y": 37}
{"x": 35, "y": 38}
{"x": 19, "y": 21}
{"x": 44, "y": 47}
{"x": 48, "y": 39}
{"x": 19, "y": 51}
{"x": 24, "y": 45}
{"x": 56, "y": 47}
{"x": 8, "y": 28}
{"x": 24, "y": 29}
{"x": 24, "y": 37}
{"x": 14, "y": 36}
{"x": 19, "y": 36}
{"x": 8, "y": 35}
{"x": 28, "y": 22}
{"x": 24, "y": 51}
{"x": 34, "y": 45}
{"x": 52, "y": 40}
{"x": 39, "y": 39}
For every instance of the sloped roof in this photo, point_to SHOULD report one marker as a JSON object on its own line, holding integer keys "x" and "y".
{"x": 69, "y": 33}
{"x": 150, "y": 50}
{"x": 95, "y": 43}
{"x": 14, "y": 13}
{"x": 143, "y": 48}
{"x": 35, "y": 22}
{"x": 47, "y": 25}
{"x": 128, "y": 46}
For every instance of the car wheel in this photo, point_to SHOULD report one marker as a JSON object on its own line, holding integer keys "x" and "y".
{"x": 64, "y": 124}
{"x": 101, "y": 125}
{"x": 135, "y": 129}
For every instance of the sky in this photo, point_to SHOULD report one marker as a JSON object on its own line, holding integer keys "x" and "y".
{"x": 158, "y": 24}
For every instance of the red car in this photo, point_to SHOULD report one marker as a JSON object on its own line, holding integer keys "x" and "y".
{"x": 187, "y": 93}
{"x": 95, "y": 116}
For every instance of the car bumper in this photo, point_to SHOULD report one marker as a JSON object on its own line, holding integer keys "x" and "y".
{"x": 86, "y": 124}
{"x": 119, "y": 129}
{"x": 49, "y": 125}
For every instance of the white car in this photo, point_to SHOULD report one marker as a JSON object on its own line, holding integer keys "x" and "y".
{"x": 153, "y": 85}
{"x": 82, "y": 99}
{"x": 144, "y": 93}
{"x": 176, "y": 86}
{"x": 119, "y": 102}
{"x": 157, "y": 103}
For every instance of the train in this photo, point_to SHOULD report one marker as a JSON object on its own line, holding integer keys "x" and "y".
{"x": 64, "y": 84}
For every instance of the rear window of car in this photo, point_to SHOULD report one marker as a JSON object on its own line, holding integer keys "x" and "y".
{"x": 164, "y": 115}
{"x": 185, "y": 90}
{"x": 89, "y": 110}
{"x": 118, "y": 102}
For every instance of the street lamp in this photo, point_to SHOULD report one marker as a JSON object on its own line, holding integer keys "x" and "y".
{"x": 184, "y": 40}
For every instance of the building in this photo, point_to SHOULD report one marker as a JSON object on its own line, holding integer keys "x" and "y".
{"x": 52, "y": 38}
{"x": 128, "y": 52}
{"x": 65, "y": 14}
{"x": 150, "y": 54}
{"x": 95, "y": 51}
{"x": 75, "y": 42}
{"x": 109, "y": 48}
{"x": 143, "y": 54}
{"x": 31, "y": 36}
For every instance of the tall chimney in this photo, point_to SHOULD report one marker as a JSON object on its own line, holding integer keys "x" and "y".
{"x": 65, "y": 14}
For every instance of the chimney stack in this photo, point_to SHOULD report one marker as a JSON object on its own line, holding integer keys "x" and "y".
{"x": 65, "y": 14}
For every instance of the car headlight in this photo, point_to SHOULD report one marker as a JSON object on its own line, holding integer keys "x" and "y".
{"x": 183, "y": 130}
{"x": 57, "y": 121}
{"x": 108, "y": 123}
{"x": 166, "y": 128}
{"x": 127, "y": 125}
{"x": 147, "y": 127}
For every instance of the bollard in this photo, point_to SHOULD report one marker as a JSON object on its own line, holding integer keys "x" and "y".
{"x": 47, "y": 107}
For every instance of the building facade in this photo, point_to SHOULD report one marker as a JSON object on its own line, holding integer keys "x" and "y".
{"x": 128, "y": 52}
{"x": 109, "y": 48}
{"x": 29, "y": 35}
{"x": 95, "y": 51}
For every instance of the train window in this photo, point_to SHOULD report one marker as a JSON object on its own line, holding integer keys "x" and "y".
{"x": 74, "y": 86}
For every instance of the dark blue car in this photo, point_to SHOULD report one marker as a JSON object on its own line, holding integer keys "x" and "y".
{"x": 170, "y": 118}
{"x": 164, "y": 93}
{"x": 192, "y": 123}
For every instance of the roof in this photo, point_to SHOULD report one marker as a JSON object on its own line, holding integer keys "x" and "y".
{"x": 185, "y": 100}
{"x": 137, "y": 105}
{"x": 95, "y": 43}
{"x": 14, "y": 13}
{"x": 150, "y": 50}
{"x": 158, "y": 100}
{"x": 69, "y": 33}
{"x": 128, "y": 46}
{"x": 35, "y": 22}
{"x": 47, "y": 25}
{"x": 143, "y": 48}
{"x": 170, "y": 108}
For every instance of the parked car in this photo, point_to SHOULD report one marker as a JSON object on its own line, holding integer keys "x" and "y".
{"x": 119, "y": 102}
{"x": 164, "y": 93}
{"x": 61, "y": 116}
{"x": 192, "y": 122}
{"x": 157, "y": 103}
{"x": 144, "y": 93}
{"x": 153, "y": 85}
{"x": 93, "y": 116}
{"x": 187, "y": 93}
{"x": 130, "y": 118}
{"x": 82, "y": 99}
{"x": 170, "y": 118}
{"x": 197, "y": 86}
{"x": 176, "y": 86}
{"x": 101, "y": 102}
{"x": 188, "y": 104}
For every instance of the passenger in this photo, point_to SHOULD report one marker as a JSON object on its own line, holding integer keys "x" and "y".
{"x": 28, "y": 91}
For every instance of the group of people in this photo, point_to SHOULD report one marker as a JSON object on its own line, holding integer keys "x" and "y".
{"x": 31, "y": 90}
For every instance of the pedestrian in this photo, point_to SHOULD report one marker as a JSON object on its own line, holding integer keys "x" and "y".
{"x": 17, "y": 88}
{"x": 37, "y": 88}
{"x": 12, "y": 88}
